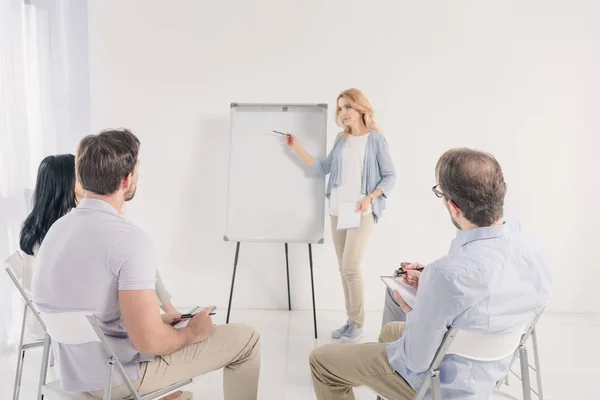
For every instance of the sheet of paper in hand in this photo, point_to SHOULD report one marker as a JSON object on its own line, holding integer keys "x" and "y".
{"x": 348, "y": 217}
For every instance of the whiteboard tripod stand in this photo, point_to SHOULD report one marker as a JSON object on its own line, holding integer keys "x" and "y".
{"x": 287, "y": 267}
{"x": 260, "y": 158}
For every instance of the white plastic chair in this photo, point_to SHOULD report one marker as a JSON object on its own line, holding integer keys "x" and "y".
{"x": 522, "y": 354}
{"x": 72, "y": 328}
{"x": 479, "y": 347}
{"x": 15, "y": 270}
{"x": 472, "y": 345}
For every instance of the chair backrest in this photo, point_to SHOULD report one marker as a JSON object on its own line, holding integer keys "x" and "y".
{"x": 79, "y": 327}
{"x": 485, "y": 347}
{"x": 480, "y": 346}
{"x": 72, "y": 327}
{"x": 14, "y": 269}
{"x": 16, "y": 262}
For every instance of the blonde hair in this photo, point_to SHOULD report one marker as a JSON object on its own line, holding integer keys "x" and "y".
{"x": 359, "y": 102}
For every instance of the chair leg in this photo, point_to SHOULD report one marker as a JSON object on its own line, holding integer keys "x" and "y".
{"x": 21, "y": 357}
{"x": 526, "y": 383}
{"x": 427, "y": 382}
{"x": 536, "y": 359}
{"x": 44, "y": 366}
{"x": 111, "y": 368}
{"x": 436, "y": 390}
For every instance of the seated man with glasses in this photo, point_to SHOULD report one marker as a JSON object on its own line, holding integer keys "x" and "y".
{"x": 493, "y": 280}
{"x": 392, "y": 311}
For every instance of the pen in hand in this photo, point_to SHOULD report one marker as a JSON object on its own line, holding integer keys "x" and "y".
{"x": 405, "y": 272}
{"x": 186, "y": 316}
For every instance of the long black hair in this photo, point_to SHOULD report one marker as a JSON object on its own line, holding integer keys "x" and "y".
{"x": 53, "y": 197}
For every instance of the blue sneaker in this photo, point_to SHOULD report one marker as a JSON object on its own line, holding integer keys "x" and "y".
{"x": 338, "y": 333}
{"x": 352, "y": 335}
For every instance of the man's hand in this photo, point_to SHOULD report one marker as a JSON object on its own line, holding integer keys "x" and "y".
{"x": 201, "y": 325}
{"x": 402, "y": 266}
{"x": 405, "y": 307}
{"x": 411, "y": 277}
{"x": 171, "y": 318}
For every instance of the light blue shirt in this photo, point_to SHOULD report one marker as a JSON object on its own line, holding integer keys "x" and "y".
{"x": 86, "y": 258}
{"x": 493, "y": 280}
{"x": 378, "y": 170}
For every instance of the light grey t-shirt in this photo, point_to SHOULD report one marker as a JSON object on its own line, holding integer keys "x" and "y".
{"x": 85, "y": 259}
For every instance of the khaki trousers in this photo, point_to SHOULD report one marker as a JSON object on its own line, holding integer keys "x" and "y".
{"x": 349, "y": 248}
{"x": 233, "y": 347}
{"x": 337, "y": 368}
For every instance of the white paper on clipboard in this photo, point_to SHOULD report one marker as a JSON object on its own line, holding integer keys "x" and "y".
{"x": 408, "y": 293}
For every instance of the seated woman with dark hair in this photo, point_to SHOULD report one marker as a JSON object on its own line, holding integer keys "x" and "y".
{"x": 57, "y": 191}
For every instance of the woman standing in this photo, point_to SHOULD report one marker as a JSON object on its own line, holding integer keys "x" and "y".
{"x": 361, "y": 171}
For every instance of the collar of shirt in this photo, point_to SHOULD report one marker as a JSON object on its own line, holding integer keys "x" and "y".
{"x": 488, "y": 232}
{"x": 96, "y": 204}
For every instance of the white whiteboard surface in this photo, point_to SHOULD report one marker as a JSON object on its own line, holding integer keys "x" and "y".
{"x": 272, "y": 196}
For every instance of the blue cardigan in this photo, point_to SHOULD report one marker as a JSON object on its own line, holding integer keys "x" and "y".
{"x": 378, "y": 171}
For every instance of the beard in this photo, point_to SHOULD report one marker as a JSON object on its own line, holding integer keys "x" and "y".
{"x": 130, "y": 194}
{"x": 455, "y": 223}
{"x": 451, "y": 217}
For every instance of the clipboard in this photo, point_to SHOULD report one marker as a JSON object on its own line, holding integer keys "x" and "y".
{"x": 408, "y": 293}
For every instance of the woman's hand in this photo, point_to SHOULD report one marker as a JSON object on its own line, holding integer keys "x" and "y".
{"x": 364, "y": 204}
{"x": 292, "y": 142}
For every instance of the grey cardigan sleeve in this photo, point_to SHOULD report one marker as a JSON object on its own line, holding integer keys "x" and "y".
{"x": 161, "y": 292}
{"x": 322, "y": 167}
{"x": 386, "y": 167}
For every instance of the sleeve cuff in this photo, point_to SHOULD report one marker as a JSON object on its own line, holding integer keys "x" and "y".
{"x": 137, "y": 285}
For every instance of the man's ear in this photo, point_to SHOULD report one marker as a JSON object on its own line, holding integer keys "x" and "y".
{"x": 126, "y": 182}
{"x": 454, "y": 208}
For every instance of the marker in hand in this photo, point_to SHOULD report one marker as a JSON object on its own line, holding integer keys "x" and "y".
{"x": 281, "y": 133}
{"x": 405, "y": 272}
{"x": 186, "y": 316}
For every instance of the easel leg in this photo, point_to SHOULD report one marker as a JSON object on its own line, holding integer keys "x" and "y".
{"x": 287, "y": 267}
{"x": 237, "y": 253}
{"x": 312, "y": 284}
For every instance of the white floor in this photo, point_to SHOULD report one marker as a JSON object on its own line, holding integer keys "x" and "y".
{"x": 569, "y": 353}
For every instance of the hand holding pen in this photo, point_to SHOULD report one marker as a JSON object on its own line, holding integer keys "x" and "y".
{"x": 410, "y": 273}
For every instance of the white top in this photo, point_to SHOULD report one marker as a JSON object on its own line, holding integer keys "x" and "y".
{"x": 86, "y": 258}
{"x": 353, "y": 161}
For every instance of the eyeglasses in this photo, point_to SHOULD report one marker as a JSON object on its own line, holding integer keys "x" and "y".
{"x": 437, "y": 192}
{"x": 440, "y": 194}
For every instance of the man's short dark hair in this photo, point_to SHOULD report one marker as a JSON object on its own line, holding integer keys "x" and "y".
{"x": 103, "y": 160}
{"x": 473, "y": 180}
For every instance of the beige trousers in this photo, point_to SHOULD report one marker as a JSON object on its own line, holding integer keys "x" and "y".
{"x": 337, "y": 368}
{"x": 349, "y": 248}
{"x": 233, "y": 347}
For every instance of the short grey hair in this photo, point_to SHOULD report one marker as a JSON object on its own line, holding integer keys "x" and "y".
{"x": 474, "y": 181}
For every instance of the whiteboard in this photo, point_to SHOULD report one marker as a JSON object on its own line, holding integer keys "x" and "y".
{"x": 272, "y": 196}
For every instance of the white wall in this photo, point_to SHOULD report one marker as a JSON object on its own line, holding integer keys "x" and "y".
{"x": 518, "y": 79}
